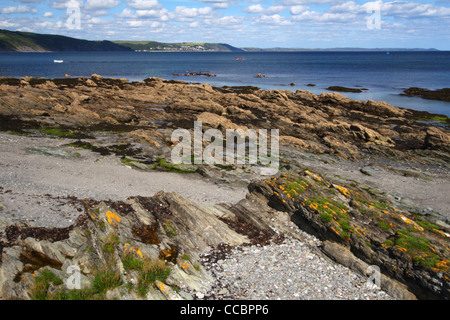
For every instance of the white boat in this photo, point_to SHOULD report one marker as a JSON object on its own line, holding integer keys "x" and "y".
{"x": 58, "y": 61}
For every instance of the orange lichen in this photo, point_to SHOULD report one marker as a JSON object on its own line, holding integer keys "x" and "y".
{"x": 132, "y": 250}
{"x": 315, "y": 177}
{"x": 161, "y": 286}
{"x": 409, "y": 221}
{"x": 342, "y": 190}
{"x": 112, "y": 218}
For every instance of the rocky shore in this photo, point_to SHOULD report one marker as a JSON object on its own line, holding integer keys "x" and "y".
{"x": 361, "y": 184}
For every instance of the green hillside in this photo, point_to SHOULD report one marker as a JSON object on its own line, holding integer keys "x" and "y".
{"x": 183, "y": 46}
{"x": 34, "y": 42}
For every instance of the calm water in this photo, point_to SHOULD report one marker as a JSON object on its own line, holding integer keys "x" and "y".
{"x": 385, "y": 75}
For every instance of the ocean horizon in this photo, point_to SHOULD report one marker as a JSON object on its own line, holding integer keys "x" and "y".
{"x": 382, "y": 76}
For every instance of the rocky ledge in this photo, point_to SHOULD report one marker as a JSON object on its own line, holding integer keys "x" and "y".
{"x": 168, "y": 247}
{"x": 438, "y": 94}
{"x": 155, "y": 248}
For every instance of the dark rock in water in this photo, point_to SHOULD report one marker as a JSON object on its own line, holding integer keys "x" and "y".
{"x": 310, "y": 85}
{"x": 193, "y": 74}
{"x": 344, "y": 89}
{"x": 438, "y": 94}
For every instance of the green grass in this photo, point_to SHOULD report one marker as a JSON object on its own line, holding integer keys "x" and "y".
{"x": 427, "y": 225}
{"x": 170, "y": 229}
{"x": 163, "y": 164}
{"x": 325, "y": 217}
{"x": 58, "y": 132}
{"x": 42, "y": 283}
{"x": 76, "y": 294}
{"x": 130, "y": 262}
{"x": 384, "y": 225}
{"x": 110, "y": 243}
{"x": 186, "y": 257}
{"x": 106, "y": 280}
{"x": 414, "y": 244}
{"x": 151, "y": 271}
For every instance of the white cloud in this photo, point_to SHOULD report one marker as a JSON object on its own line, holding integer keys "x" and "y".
{"x": 221, "y": 5}
{"x": 275, "y": 19}
{"x": 227, "y": 22}
{"x": 327, "y": 17}
{"x": 298, "y": 9}
{"x": 95, "y": 20}
{"x": 29, "y": 1}
{"x": 127, "y": 13}
{"x": 101, "y": 4}
{"x": 151, "y": 13}
{"x": 48, "y": 14}
{"x": 182, "y": 13}
{"x": 137, "y": 23}
{"x": 144, "y": 4}
{"x": 64, "y": 4}
{"x": 19, "y": 9}
{"x": 306, "y": 2}
{"x": 8, "y": 24}
{"x": 411, "y": 10}
{"x": 350, "y": 6}
{"x": 257, "y": 8}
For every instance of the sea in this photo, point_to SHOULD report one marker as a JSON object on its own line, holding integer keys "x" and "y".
{"x": 384, "y": 74}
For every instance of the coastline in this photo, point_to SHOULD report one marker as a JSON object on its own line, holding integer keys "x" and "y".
{"x": 378, "y": 151}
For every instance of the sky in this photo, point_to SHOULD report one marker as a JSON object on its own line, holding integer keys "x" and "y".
{"x": 241, "y": 23}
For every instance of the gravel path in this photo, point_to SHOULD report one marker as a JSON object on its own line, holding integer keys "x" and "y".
{"x": 286, "y": 271}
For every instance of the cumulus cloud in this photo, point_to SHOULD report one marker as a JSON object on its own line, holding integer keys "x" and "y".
{"x": 308, "y": 2}
{"x": 144, "y": 4}
{"x": 274, "y": 19}
{"x": 411, "y": 10}
{"x": 101, "y": 4}
{"x": 258, "y": 8}
{"x": 29, "y": 1}
{"x": 182, "y": 13}
{"x": 154, "y": 13}
{"x": 64, "y": 4}
{"x": 19, "y": 9}
{"x": 298, "y": 9}
{"x": 220, "y": 5}
{"x": 127, "y": 13}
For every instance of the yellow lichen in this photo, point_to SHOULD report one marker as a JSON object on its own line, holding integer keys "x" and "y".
{"x": 342, "y": 190}
{"x": 132, "y": 250}
{"x": 112, "y": 218}
{"x": 409, "y": 221}
{"x": 315, "y": 177}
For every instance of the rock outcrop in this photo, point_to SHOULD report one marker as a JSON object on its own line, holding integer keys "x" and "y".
{"x": 406, "y": 247}
{"x": 122, "y": 243}
{"x": 328, "y": 123}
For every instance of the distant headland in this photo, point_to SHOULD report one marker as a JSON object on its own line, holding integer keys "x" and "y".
{"x": 17, "y": 41}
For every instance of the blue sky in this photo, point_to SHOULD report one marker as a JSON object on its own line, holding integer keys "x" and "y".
{"x": 242, "y": 23}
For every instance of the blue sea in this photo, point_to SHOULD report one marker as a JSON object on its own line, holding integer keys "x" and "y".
{"x": 384, "y": 75}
